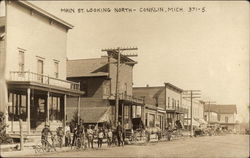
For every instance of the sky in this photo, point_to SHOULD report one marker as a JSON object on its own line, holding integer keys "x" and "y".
{"x": 208, "y": 51}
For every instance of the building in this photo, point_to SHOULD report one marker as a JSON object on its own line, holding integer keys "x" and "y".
{"x": 34, "y": 47}
{"x": 197, "y": 113}
{"x": 154, "y": 109}
{"x": 163, "y": 104}
{"x": 97, "y": 78}
{"x": 226, "y": 115}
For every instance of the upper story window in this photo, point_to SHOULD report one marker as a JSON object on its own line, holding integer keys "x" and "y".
{"x": 178, "y": 103}
{"x": 21, "y": 60}
{"x": 226, "y": 119}
{"x": 40, "y": 70}
{"x": 56, "y": 69}
{"x": 2, "y": 8}
{"x": 172, "y": 102}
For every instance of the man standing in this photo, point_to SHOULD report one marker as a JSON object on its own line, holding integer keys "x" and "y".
{"x": 119, "y": 131}
{"x": 110, "y": 137}
{"x": 90, "y": 135}
{"x": 67, "y": 136}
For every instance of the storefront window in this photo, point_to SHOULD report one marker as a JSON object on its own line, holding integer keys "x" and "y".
{"x": 17, "y": 108}
{"x": 54, "y": 108}
{"x": 151, "y": 120}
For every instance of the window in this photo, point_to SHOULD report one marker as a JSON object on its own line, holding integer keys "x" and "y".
{"x": 54, "y": 108}
{"x": 17, "y": 107}
{"x": 226, "y": 119}
{"x": 156, "y": 101}
{"x": 21, "y": 61}
{"x": 56, "y": 69}
{"x": 151, "y": 120}
{"x": 172, "y": 102}
{"x": 178, "y": 104}
{"x": 40, "y": 70}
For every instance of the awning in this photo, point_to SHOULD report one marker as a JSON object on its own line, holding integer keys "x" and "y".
{"x": 96, "y": 114}
{"x": 202, "y": 121}
{"x": 195, "y": 122}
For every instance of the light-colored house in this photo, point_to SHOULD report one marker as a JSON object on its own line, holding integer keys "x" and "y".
{"x": 226, "y": 115}
{"x": 35, "y": 69}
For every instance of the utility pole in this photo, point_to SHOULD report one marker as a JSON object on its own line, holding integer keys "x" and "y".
{"x": 191, "y": 94}
{"x": 117, "y": 52}
{"x": 209, "y": 109}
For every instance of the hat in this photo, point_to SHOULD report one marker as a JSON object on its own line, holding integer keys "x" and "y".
{"x": 46, "y": 124}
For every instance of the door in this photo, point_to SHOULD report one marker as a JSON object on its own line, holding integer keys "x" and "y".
{"x": 37, "y": 111}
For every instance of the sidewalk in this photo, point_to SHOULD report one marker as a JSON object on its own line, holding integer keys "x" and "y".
{"x": 28, "y": 149}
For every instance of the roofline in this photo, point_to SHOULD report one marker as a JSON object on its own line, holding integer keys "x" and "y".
{"x": 173, "y": 86}
{"x": 84, "y": 59}
{"x": 96, "y": 75}
{"x": 45, "y": 13}
{"x": 148, "y": 87}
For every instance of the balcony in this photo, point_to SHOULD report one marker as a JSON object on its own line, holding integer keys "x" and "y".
{"x": 126, "y": 98}
{"x": 177, "y": 109}
{"x": 43, "y": 79}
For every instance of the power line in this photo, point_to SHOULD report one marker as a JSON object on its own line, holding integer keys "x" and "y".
{"x": 116, "y": 52}
{"x": 190, "y": 94}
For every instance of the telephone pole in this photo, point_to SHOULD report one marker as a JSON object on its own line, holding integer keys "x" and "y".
{"x": 118, "y": 52}
{"x": 192, "y": 94}
{"x": 209, "y": 109}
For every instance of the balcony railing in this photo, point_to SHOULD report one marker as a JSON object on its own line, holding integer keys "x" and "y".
{"x": 131, "y": 98}
{"x": 126, "y": 97}
{"x": 177, "y": 109}
{"x": 43, "y": 79}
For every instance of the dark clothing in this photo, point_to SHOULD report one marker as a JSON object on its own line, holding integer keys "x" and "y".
{"x": 99, "y": 142}
{"x": 45, "y": 133}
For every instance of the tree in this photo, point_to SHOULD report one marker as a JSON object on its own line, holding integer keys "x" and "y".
{"x": 4, "y": 138}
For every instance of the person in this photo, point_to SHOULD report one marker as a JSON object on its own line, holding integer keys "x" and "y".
{"x": 110, "y": 137}
{"x": 100, "y": 137}
{"x": 83, "y": 137}
{"x": 67, "y": 135}
{"x": 119, "y": 131}
{"x": 90, "y": 136}
{"x": 74, "y": 135}
{"x": 45, "y": 134}
{"x": 60, "y": 134}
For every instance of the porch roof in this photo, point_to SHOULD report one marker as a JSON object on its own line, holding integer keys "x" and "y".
{"x": 43, "y": 87}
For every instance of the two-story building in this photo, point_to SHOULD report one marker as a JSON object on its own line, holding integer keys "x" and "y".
{"x": 154, "y": 109}
{"x": 97, "y": 78}
{"x": 197, "y": 113}
{"x": 226, "y": 115}
{"x": 34, "y": 53}
{"x": 163, "y": 104}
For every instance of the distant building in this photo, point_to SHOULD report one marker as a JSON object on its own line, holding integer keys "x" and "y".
{"x": 226, "y": 115}
{"x": 197, "y": 112}
{"x": 97, "y": 78}
{"x": 163, "y": 105}
{"x": 33, "y": 44}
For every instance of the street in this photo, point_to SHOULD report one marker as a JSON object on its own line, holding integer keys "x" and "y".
{"x": 209, "y": 146}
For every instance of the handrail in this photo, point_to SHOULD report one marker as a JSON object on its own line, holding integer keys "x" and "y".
{"x": 44, "y": 79}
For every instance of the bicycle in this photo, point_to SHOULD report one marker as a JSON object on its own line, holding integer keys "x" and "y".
{"x": 77, "y": 144}
{"x": 44, "y": 146}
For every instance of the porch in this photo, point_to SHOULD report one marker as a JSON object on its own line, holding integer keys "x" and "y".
{"x": 36, "y": 99}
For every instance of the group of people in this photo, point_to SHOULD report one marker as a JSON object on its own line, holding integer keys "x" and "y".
{"x": 86, "y": 136}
